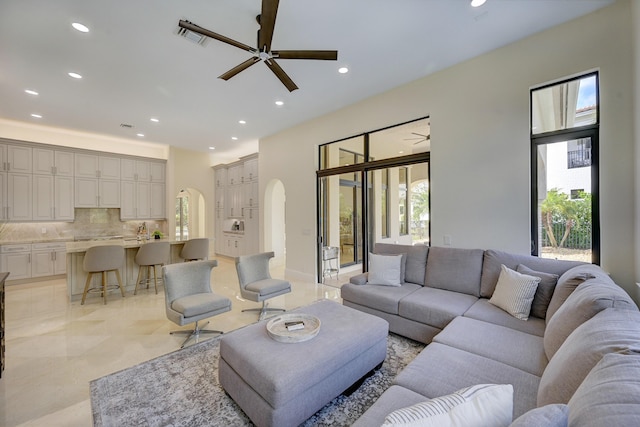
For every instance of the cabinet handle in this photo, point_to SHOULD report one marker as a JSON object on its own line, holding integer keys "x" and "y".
{"x": 29, "y": 259}
{"x": 8, "y": 166}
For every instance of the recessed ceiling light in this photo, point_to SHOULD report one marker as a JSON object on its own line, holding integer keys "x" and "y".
{"x": 477, "y": 3}
{"x": 75, "y": 75}
{"x": 140, "y": 134}
{"x": 242, "y": 122}
{"x": 212, "y": 148}
{"x": 343, "y": 70}
{"x": 235, "y": 138}
{"x": 154, "y": 120}
{"x": 31, "y": 92}
{"x": 37, "y": 116}
{"x": 80, "y": 27}
{"x": 279, "y": 103}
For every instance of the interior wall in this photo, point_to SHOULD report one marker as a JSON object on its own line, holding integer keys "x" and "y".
{"x": 635, "y": 16}
{"x": 192, "y": 169}
{"x": 480, "y": 176}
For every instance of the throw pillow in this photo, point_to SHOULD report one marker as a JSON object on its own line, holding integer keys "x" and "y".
{"x": 480, "y": 405}
{"x": 384, "y": 270}
{"x": 543, "y": 295}
{"x": 514, "y": 292}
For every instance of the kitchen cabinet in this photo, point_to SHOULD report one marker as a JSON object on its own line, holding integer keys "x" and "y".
{"x": 234, "y": 201}
{"x": 4, "y": 208}
{"x": 235, "y": 175}
{"x": 48, "y": 259}
{"x": 234, "y": 245}
{"x": 18, "y": 159}
{"x": 52, "y": 162}
{"x": 16, "y": 259}
{"x": 19, "y": 196}
{"x": 135, "y": 170}
{"x": 157, "y": 171}
{"x": 250, "y": 170}
{"x": 251, "y": 231}
{"x": 221, "y": 177}
{"x": 52, "y": 198}
{"x": 219, "y": 242}
{"x": 97, "y": 193}
{"x": 157, "y": 202}
{"x": 250, "y": 198}
{"x": 142, "y": 200}
{"x": 96, "y": 166}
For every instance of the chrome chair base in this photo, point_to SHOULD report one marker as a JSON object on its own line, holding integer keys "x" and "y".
{"x": 195, "y": 333}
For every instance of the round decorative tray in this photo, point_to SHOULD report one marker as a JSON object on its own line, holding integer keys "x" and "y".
{"x": 278, "y": 330}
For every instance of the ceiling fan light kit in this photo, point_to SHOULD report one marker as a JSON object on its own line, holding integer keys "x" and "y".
{"x": 263, "y": 52}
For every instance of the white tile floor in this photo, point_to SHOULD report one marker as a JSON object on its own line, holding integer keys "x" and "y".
{"x": 55, "y": 347}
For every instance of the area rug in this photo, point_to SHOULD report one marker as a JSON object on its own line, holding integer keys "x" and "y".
{"x": 182, "y": 389}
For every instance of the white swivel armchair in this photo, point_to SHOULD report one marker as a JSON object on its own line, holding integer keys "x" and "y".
{"x": 189, "y": 298}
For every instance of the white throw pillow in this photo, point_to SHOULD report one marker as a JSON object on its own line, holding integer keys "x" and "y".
{"x": 384, "y": 270}
{"x": 476, "y": 406}
{"x": 514, "y": 292}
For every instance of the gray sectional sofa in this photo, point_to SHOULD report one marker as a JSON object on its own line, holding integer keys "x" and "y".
{"x": 575, "y": 361}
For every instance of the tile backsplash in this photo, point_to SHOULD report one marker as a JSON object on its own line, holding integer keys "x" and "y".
{"x": 88, "y": 223}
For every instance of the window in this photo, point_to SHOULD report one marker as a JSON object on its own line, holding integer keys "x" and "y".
{"x": 384, "y": 205}
{"x": 403, "y": 199}
{"x": 366, "y": 188}
{"x": 564, "y": 167}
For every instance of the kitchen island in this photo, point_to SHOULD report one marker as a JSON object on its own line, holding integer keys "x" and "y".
{"x": 76, "y": 276}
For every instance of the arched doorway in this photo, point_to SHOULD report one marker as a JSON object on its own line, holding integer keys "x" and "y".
{"x": 189, "y": 214}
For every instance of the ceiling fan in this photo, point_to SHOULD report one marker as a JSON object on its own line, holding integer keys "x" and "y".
{"x": 420, "y": 138}
{"x": 263, "y": 52}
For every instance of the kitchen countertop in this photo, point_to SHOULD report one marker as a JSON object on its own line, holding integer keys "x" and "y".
{"x": 126, "y": 243}
{"x": 25, "y": 242}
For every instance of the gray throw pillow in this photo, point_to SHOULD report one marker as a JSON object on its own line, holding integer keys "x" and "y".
{"x": 384, "y": 270}
{"x": 544, "y": 292}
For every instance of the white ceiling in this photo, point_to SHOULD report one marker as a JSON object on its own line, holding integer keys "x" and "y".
{"x": 135, "y": 67}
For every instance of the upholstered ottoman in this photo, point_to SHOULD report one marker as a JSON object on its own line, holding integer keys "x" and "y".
{"x": 283, "y": 384}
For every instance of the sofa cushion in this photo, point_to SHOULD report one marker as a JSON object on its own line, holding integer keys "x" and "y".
{"x": 609, "y": 331}
{"x": 514, "y": 293}
{"x": 544, "y": 292}
{"x": 416, "y": 259}
{"x": 588, "y": 299}
{"x": 569, "y": 281}
{"x": 395, "y": 397}
{"x": 494, "y": 259}
{"x": 455, "y": 269}
{"x": 484, "y": 311}
{"x": 514, "y": 348}
{"x": 610, "y": 394}
{"x": 435, "y": 307}
{"x": 555, "y": 415}
{"x": 382, "y": 298}
{"x": 385, "y": 270}
{"x": 440, "y": 370}
{"x": 476, "y": 406}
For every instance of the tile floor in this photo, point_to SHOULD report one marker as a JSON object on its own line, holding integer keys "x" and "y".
{"x": 55, "y": 347}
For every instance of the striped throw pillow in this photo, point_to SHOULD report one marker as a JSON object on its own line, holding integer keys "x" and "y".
{"x": 514, "y": 292}
{"x": 476, "y": 406}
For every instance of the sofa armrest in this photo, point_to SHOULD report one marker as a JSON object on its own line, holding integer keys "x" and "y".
{"x": 360, "y": 279}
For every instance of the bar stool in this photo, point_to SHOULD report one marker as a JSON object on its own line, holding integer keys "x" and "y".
{"x": 152, "y": 254}
{"x": 103, "y": 259}
{"x": 195, "y": 250}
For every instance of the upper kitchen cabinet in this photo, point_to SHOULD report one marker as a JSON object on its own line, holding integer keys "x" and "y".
{"x": 97, "y": 166}
{"x": 19, "y": 194}
{"x": 250, "y": 170}
{"x": 135, "y": 170}
{"x": 157, "y": 171}
{"x": 235, "y": 174}
{"x": 53, "y": 198}
{"x": 52, "y": 162}
{"x": 97, "y": 193}
{"x": 16, "y": 158}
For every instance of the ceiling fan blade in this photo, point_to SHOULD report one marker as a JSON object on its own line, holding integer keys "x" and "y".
{"x": 279, "y": 72}
{"x": 235, "y": 70}
{"x": 203, "y": 31}
{"x": 267, "y": 24}
{"x": 329, "y": 55}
